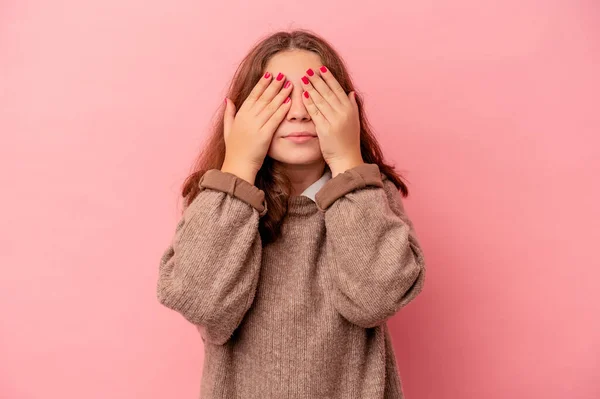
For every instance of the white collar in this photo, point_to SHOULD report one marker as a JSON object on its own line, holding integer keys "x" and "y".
{"x": 312, "y": 190}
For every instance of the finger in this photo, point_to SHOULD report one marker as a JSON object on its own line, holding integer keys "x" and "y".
{"x": 333, "y": 84}
{"x": 257, "y": 91}
{"x": 275, "y": 103}
{"x": 228, "y": 117}
{"x": 352, "y": 97}
{"x": 273, "y": 122}
{"x": 317, "y": 99}
{"x": 323, "y": 88}
{"x": 314, "y": 112}
{"x": 269, "y": 94}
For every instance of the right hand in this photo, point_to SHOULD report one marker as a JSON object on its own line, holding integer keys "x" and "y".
{"x": 248, "y": 133}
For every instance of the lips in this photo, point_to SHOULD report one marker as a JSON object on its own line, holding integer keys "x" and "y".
{"x": 301, "y": 134}
{"x": 300, "y": 139}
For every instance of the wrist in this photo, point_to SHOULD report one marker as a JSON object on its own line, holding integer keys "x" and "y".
{"x": 242, "y": 171}
{"x": 343, "y": 165}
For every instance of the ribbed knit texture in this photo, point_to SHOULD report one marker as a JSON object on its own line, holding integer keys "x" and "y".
{"x": 305, "y": 316}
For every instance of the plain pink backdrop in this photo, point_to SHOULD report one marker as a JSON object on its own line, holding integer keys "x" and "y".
{"x": 490, "y": 109}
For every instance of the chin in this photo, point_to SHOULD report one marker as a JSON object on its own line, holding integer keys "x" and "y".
{"x": 297, "y": 157}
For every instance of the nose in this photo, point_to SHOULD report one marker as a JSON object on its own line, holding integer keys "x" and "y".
{"x": 297, "y": 112}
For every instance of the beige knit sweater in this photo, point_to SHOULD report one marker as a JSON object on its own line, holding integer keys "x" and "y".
{"x": 305, "y": 316}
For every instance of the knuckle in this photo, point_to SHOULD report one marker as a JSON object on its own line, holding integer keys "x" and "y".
{"x": 261, "y": 101}
{"x": 255, "y": 97}
{"x": 271, "y": 108}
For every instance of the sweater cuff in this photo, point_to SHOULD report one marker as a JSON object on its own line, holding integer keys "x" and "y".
{"x": 367, "y": 174}
{"x": 235, "y": 186}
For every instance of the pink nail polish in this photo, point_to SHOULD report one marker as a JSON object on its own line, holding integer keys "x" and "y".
{"x": 267, "y": 75}
{"x": 306, "y": 94}
{"x": 287, "y": 84}
{"x": 323, "y": 69}
{"x": 287, "y": 100}
{"x": 310, "y": 72}
{"x": 304, "y": 80}
{"x": 279, "y": 76}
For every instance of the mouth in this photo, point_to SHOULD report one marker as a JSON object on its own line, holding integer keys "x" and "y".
{"x": 300, "y": 137}
{"x": 300, "y": 134}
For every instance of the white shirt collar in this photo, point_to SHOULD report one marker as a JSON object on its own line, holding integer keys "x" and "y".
{"x": 311, "y": 191}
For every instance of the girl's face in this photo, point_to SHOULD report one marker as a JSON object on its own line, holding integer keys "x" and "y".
{"x": 293, "y": 64}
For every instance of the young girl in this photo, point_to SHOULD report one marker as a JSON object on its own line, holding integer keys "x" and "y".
{"x": 294, "y": 248}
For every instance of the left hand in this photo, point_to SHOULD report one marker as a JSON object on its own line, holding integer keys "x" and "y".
{"x": 336, "y": 119}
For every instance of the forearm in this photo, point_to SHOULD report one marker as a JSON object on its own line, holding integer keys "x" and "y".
{"x": 376, "y": 261}
{"x": 210, "y": 271}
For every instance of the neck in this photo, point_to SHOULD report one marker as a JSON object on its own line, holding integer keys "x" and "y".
{"x": 302, "y": 176}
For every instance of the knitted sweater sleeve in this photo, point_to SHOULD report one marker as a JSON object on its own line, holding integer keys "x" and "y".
{"x": 209, "y": 272}
{"x": 375, "y": 259}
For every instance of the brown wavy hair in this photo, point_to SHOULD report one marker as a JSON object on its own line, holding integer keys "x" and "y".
{"x": 271, "y": 178}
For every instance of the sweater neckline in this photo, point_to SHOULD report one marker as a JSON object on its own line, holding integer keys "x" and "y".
{"x": 301, "y": 205}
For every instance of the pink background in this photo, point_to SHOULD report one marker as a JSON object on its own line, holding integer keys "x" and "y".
{"x": 489, "y": 108}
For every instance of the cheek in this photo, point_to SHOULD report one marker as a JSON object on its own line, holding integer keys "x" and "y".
{"x": 278, "y": 146}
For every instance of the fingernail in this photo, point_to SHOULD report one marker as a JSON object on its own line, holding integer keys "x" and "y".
{"x": 310, "y": 72}
{"x": 323, "y": 69}
{"x": 287, "y": 100}
{"x": 306, "y": 94}
{"x": 267, "y": 75}
{"x": 287, "y": 84}
{"x": 280, "y": 76}
{"x": 304, "y": 80}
